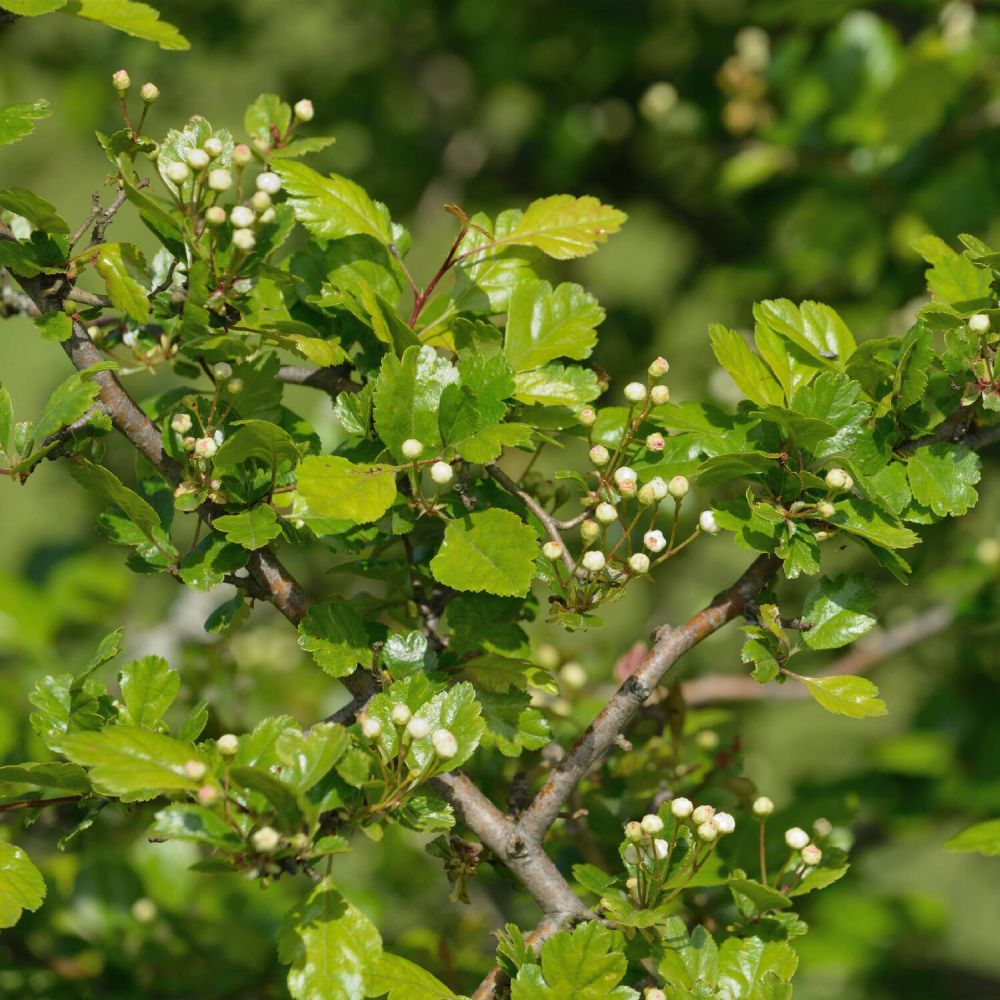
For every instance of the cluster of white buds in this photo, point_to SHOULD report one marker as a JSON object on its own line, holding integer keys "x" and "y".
{"x": 444, "y": 743}
{"x": 838, "y": 479}
{"x": 643, "y": 842}
{"x": 708, "y": 824}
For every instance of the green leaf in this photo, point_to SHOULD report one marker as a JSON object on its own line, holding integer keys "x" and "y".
{"x": 760, "y": 654}
{"x": 485, "y": 279}
{"x": 334, "y": 487}
{"x": 814, "y": 327}
{"x": 942, "y": 477}
{"x": 752, "y": 377}
{"x": 70, "y": 400}
{"x": 306, "y": 759}
{"x": 545, "y": 323}
{"x": 558, "y": 385}
{"x": 916, "y": 353}
{"x": 837, "y": 610}
{"x": 21, "y": 884}
{"x": 56, "y": 326}
{"x": 762, "y": 896}
{"x": 259, "y": 439}
{"x": 980, "y": 838}
{"x": 208, "y": 563}
{"x": 792, "y": 366}
{"x": 184, "y": 821}
{"x": 748, "y": 966}
{"x": 408, "y": 397}
{"x": 267, "y": 112}
{"x": 149, "y": 688}
{"x": 267, "y": 791}
{"x": 32, "y": 8}
{"x": 585, "y": 965}
{"x": 50, "y": 774}
{"x": 863, "y": 518}
{"x": 124, "y": 761}
{"x": 252, "y": 528}
{"x": 492, "y": 550}
{"x": 476, "y": 402}
{"x": 334, "y": 950}
{"x": 403, "y": 655}
{"x": 845, "y": 694}
{"x": 106, "y": 484}
{"x": 953, "y": 278}
{"x": 125, "y": 292}
{"x": 511, "y": 724}
{"x": 16, "y": 119}
{"x": 333, "y": 632}
{"x": 688, "y": 959}
{"x": 136, "y": 19}
{"x": 333, "y": 207}
{"x": 40, "y": 213}
{"x": 6, "y": 417}
{"x": 403, "y": 980}
{"x": 837, "y": 400}
{"x": 564, "y": 227}
{"x": 487, "y": 444}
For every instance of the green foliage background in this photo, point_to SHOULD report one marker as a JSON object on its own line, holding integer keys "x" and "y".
{"x": 761, "y": 149}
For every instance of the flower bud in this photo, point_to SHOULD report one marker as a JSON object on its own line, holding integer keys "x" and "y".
{"x": 652, "y": 824}
{"x": 638, "y": 562}
{"x": 189, "y": 443}
{"x": 242, "y": 217}
{"x": 265, "y": 840}
{"x": 144, "y": 910}
{"x": 628, "y": 488}
{"x": 197, "y": 159}
{"x": 659, "y": 394}
{"x": 149, "y": 93}
{"x": 659, "y": 367}
{"x": 177, "y": 172}
{"x": 418, "y": 728}
{"x": 838, "y": 479}
{"x": 222, "y": 370}
{"x": 631, "y": 885}
{"x": 244, "y": 239}
{"x": 681, "y": 808}
{"x": 678, "y": 487}
{"x": 599, "y": 455}
{"x": 647, "y": 495}
{"x": 653, "y": 993}
{"x": 822, "y": 536}
{"x": 242, "y": 155}
{"x": 587, "y": 416}
{"x": 811, "y": 855}
{"x": 260, "y": 202}
{"x": 208, "y": 795}
{"x": 979, "y": 323}
{"x": 411, "y": 449}
{"x": 825, "y": 509}
{"x": 268, "y": 215}
{"x": 708, "y": 523}
{"x": 631, "y": 854}
{"x": 181, "y": 423}
{"x": 304, "y": 110}
{"x": 220, "y": 179}
{"x": 822, "y": 828}
{"x": 444, "y": 743}
{"x": 605, "y": 513}
{"x": 625, "y": 475}
{"x": 442, "y": 473}
{"x": 574, "y": 676}
{"x": 400, "y": 714}
{"x": 227, "y": 744}
{"x": 635, "y": 392}
{"x": 371, "y": 728}
{"x": 234, "y": 386}
{"x": 216, "y": 215}
{"x": 205, "y": 447}
{"x": 661, "y": 849}
{"x": 707, "y": 739}
{"x": 796, "y": 838}
{"x": 658, "y": 486}
{"x": 654, "y": 541}
{"x": 195, "y": 769}
{"x": 725, "y": 822}
{"x": 590, "y": 531}
{"x": 633, "y": 831}
{"x": 213, "y": 146}
{"x": 702, "y": 813}
{"x": 552, "y": 550}
{"x": 708, "y": 831}
{"x": 988, "y": 551}
{"x": 593, "y": 561}
{"x": 269, "y": 182}
{"x": 121, "y": 81}
{"x": 656, "y": 441}
{"x": 763, "y": 807}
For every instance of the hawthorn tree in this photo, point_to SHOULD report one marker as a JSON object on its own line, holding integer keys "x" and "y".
{"x": 267, "y": 273}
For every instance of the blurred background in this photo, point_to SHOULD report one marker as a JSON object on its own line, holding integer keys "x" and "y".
{"x": 761, "y": 149}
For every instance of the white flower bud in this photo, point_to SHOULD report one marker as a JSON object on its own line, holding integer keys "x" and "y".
{"x": 979, "y": 323}
{"x": 633, "y": 831}
{"x": 825, "y": 509}
{"x": 661, "y": 849}
{"x": 235, "y": 386}
{"x": 587, "y": 416}
{"x": 599, "y": 455}
{"x": 656, "y": 441}
{"x": 635, "y": 392}
{"x": 220, "y": 179}
{"x": 638, "y": 562}
{"x": 149, "y": 93}
{"x": 242, "y": 217}
{"x": 574, "y": 676}
{"x": 678, "y": 487}
{"x": 181, "y": 423}
{"x": 647, "y": 495}
{"x": 796, "y": 838}
{"x": 811, "y": 855}
{"x": 260, "y": 202}
{"x": 707, "y": 739}
{"x": 121, "y": 81}
{"x": 400, "y": 714}
{"x": 651, "y": 824}
{"x": 228, "y": 744}
{"x": 725, "y": 822}
{"x": 631, "y": 854}
{"x": 552, "y": 550}
{"x": 411, "y": 449}
{"x": 242, "y": 155}
{"x": 625, "y": 475}
{"x": 304, "y": 110}
{"x": 268, "y": 215}
{"x": 444, "y": 743}
{"x": 606, "y": 513}
{"x": 177, "y": 172}
{"x": 265, "y": 840}
{"x": 222, "y": 370}
{"x": 205, "y": 447}
{"x": 269, "y": 182}
{"x": 822, "y": 828}
{"x": 654, "y": 541}
{"x": 659, "y": 367}
{"x": 208, "y": 795}
{"x": 244, "y": 239}
{"x": 189, "y": 443}
{"x": 213, "y": 146}
{"x": 708, "y": 831}
{"x": 418, "y": 728}
{"x": 593, "y": 561}
{"x": 590, "y": 531}
{"x": 371, "y": 728}
{"x": 442, "y": 473}
{"x": 653, "y": 993}
{"x": 838, "y": 479}
{"x": 216, "y": 215}
{"x": 763, "y": 807}
{"x": 703, "y": 813}
{"x": 195, "y": 769}
{"x": 144, "y": 910}
{"x": 659, "y": 394}
{"x": 628, "y": 488}
{"x": 708, "y": 523}
{"x": 658, "y": 486}
{"x": 681, "y": 808}
{"x": 197, "y": 159}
